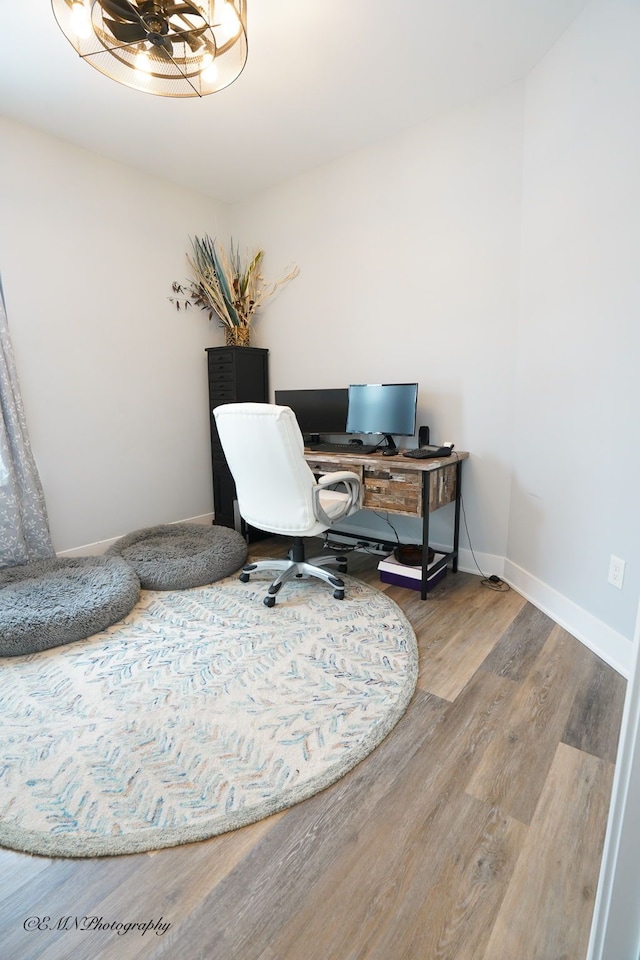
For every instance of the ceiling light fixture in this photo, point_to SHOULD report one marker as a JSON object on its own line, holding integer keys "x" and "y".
{"x": 171, "y": 48}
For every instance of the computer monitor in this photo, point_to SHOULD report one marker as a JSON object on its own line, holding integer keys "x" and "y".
{"x": 317, "y": 411}
{"x": 383, "y": 408}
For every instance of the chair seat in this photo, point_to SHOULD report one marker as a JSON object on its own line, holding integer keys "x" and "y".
{"x": 332, "y": 502}
{"x": 178, "y": 556}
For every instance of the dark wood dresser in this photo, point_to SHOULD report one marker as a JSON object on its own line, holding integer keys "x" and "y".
{"x": 236, "y": 375}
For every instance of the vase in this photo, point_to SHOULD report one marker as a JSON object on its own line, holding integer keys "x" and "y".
{"x": 237, "y": 336}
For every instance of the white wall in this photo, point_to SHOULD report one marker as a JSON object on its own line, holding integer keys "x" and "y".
{"x": 577, "y": 458}
{"x": 412, "y": 267}
{"x": 409, "y": 256}
{"x": 113, "y": 380}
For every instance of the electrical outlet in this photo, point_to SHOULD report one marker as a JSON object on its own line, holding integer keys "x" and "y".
{"x": 616, "y": 571}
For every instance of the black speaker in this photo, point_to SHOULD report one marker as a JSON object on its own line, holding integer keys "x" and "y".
{"x": 423, "y": 437}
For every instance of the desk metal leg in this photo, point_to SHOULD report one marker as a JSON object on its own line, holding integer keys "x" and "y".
{"x": 456, "y": 521}
{"x": 425, "y": 533}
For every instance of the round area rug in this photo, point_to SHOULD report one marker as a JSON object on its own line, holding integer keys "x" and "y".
{"x": 198, "y": 713}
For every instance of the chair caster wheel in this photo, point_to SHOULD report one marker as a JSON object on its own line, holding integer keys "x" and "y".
{"x": 244, "y": 577}
{"x": 338, "y": 594}
{"x": 342, "y": 568}
{"x": 269, "y": 601}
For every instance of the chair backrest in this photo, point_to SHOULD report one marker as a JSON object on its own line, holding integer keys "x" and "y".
{"x": 264, "y": 448}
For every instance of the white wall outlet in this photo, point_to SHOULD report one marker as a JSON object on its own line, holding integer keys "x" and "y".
{"x": 616, "y": 571}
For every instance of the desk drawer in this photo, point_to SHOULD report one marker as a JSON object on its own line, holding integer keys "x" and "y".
{"x": 396, "y": 491}
{"x": 333, "y": 466}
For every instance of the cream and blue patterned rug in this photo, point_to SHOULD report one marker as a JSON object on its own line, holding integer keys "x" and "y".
{"x": 198, "y": 713}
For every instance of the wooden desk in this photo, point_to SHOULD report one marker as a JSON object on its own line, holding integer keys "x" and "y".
{"x": 405, "y": 486}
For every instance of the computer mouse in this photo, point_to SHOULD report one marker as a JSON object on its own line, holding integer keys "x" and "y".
{"x": 389, "y": 453}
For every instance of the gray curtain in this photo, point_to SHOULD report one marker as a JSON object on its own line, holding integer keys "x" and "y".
{"x": 24, "y": 530}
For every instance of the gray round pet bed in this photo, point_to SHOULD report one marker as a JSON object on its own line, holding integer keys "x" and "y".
{"x": 181, "y": 555}
{"x": 47, "y": 603}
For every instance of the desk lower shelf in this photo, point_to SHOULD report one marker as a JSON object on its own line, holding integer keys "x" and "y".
{"x": 400, "y": 575}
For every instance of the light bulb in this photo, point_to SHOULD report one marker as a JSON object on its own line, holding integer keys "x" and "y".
{"x": 143, "y": 62}
{"x": 79, "y": 19}
{"x": 226, "y": 21}
{"x": 210, "y": 72}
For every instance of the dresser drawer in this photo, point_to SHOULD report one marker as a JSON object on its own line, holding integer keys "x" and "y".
{"x": 220, "y": 359}
{"x": 221, "y": 392}
{"x": 223, "y": 373}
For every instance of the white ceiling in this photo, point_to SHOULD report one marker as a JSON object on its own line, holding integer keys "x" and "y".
{"x": 322, "y": 79}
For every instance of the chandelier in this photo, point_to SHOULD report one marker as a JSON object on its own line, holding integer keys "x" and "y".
{"x": 171, "y": 48}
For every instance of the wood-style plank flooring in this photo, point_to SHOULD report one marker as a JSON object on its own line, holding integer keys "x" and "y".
{"x": 473, "y": 832}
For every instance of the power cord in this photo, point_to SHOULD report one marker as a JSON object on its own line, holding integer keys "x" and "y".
{"x": 328, "y": 544}
{"x": 493, "y": 582}
{"x": 385, "y": 517}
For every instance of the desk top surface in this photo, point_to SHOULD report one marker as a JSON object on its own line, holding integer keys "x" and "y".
{"x": 392, "y": 463}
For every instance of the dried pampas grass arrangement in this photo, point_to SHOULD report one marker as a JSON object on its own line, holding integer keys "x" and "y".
{"x": 224, "y": 288}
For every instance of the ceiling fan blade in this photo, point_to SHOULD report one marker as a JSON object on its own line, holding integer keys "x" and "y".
{"x": 122, "y": 9}
{"x": 182, "y": 8}
{"x": 164, "y": 49}
{"x": 192, "y": 37}
{"x": 126, "y": 32}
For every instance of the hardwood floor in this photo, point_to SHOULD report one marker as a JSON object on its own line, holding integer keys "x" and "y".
{"x": 473, "y": 832}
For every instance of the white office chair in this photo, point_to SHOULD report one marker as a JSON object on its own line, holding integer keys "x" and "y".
{"x": 277, "y": 491}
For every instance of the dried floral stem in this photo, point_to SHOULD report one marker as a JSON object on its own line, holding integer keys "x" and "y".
{"x": 222, "y": 287}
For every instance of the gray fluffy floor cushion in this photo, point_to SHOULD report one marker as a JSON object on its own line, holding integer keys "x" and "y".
{"x": 46, "y": 603}
{"x": 181, "y": 555}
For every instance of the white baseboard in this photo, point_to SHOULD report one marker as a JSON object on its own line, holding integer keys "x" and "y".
{"x": 101, "y": 546}
{"x": 602, "y": 640}
{"x": 482, "y": 564}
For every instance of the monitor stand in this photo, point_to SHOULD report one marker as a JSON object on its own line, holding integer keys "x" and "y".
{"x": 389, "y": 443}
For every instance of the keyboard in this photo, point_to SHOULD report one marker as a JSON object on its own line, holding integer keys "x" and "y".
{"x": 422, "y": 453}
{"x": 341, "y": 447}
